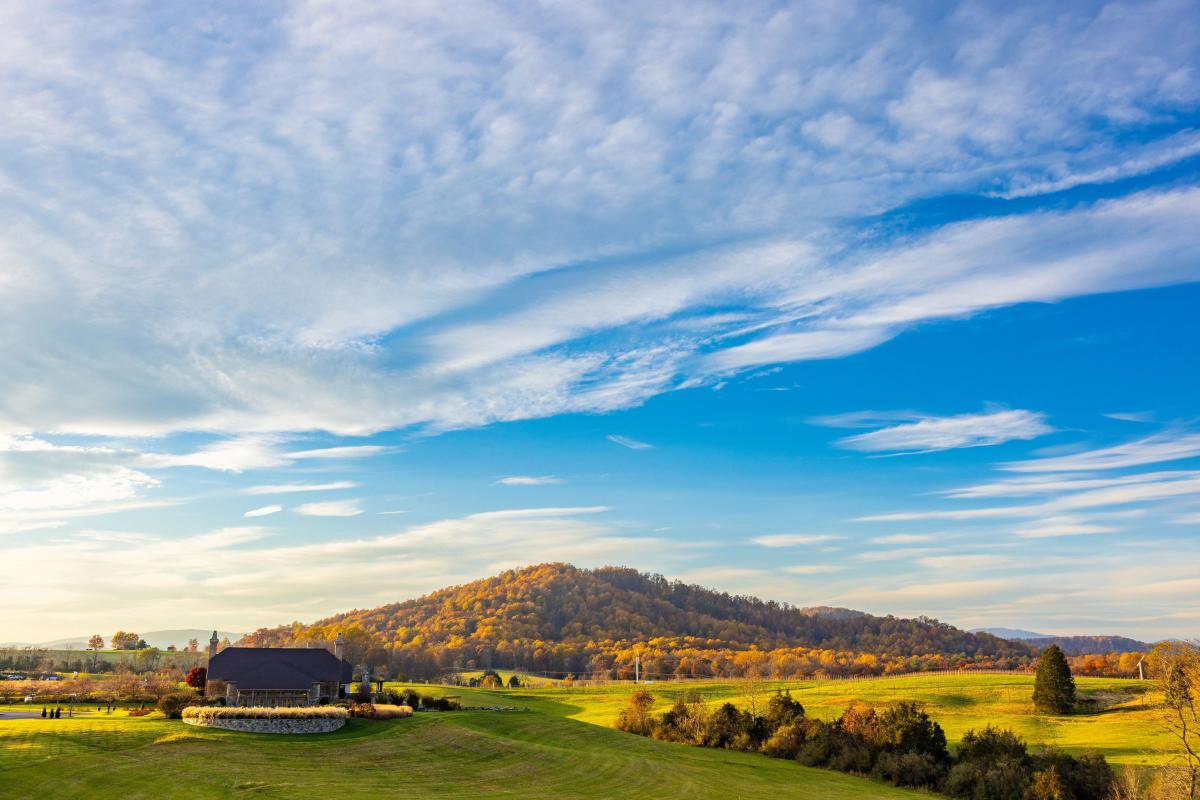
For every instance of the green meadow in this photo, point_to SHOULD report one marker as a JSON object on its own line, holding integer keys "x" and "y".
{"x": 1118, "y": 720}
{"x": 558, "y": 742}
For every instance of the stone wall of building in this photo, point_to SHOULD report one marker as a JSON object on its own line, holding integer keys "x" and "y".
{"x": 269, "y": 725}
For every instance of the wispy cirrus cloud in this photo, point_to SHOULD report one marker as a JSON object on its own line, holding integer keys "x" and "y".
{"x": 1156, "y": 449}
{"x": 813, "y": 569}
{"x": 792, "y": 539}
{"x": 1067, "y": 525}
{"x": 528, "y": 480}
{"x": 330, "y": 508}
{"x": 929, "y": 434}
{"x": 625, "y": 441}
{"x": 292, "y": 488}
{"x": 251, "y": 575}
{"x": 595, "y": 285}
{"x": 263, "y": 511}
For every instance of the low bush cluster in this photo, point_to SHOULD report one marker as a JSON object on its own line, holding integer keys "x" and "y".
{"x": 380, "y": 711}
{"x": 172, "y": 705}
{"x": 205, "y": 713}
{"x": 899, "y": 745}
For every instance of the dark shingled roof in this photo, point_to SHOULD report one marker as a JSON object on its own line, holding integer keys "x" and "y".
{"x": 283, "y": 668}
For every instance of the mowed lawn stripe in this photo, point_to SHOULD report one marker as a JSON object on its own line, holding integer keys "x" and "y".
{"x": 449, "y": 755}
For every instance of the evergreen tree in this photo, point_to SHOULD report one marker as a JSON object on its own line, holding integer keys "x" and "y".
{"x": 1054, "y": 688}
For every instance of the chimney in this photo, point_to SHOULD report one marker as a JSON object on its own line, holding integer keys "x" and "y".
{"x": 339, "y": 646}
{"x": 212, "y": 645}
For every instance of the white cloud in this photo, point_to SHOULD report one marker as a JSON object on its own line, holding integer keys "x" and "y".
{"x": 1161, "y": 486}
{"x": 528, "y": 480}
{"x": 903, "y": 538}
{"x": 291, "y": 488}
{"x": 792, "y": 539}
{"x": 330, "y": 508}
{"x": 231, "y": 455}
{"x": 355, "y": 451}
{"x": 263, "y": 511}
{"x": 625, "y": 441}
{"x": 1066, "y": 525}
{"x": 964, "y": 562}
{"x": 598, "y": 280}
{"x": 813, "y": 569}
{"x": 930, "y": 434}
{"x": 1170, "y": 446}
{"x": 247, "y": 575}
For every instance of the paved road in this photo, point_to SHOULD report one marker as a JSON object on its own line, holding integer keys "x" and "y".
{"x": 19, "y": 714}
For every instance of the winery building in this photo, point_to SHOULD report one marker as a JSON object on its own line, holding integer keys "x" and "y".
{"x": 277, "y": 676}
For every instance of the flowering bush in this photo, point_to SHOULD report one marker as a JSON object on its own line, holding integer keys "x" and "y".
{"x": 205, "y": 713}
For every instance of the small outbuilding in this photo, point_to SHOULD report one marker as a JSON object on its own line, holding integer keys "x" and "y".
{"x": 277, "y": 676}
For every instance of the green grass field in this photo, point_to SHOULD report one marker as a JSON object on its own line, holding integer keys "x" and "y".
{"x": 1122, "y": 726}
{"x": 563, "y": 746}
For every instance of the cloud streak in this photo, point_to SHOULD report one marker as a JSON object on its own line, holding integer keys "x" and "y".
{"x": 932, "y": 434}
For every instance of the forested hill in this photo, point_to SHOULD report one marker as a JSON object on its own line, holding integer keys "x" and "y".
{"x": 557, "y": 617}
{"x": 1079, "y": 645}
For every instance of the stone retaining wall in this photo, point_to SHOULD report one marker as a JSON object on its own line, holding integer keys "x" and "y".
{"x": 310, "y": 725}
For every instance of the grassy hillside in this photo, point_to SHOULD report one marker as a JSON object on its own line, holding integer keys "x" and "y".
{"x": 1120, "y": 724}
{"x": 455, "y": 755}
{"x": 559, "y": 743}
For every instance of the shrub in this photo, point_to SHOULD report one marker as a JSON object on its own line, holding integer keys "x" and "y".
{"x": 906, "y": 728}
{"x": 786, "y": 741}
{"x": 362, "y": 710}
{"x": 909, "y": 768}
{"x": 1004, "y": 778}
{"x": 409, "y": 697}
{"x": 205, "y": 713}
{"x": 392, "y": 711}
{"x": 138, "y": 712}
{"x": 1088, "y": 777}
{"x": 685, "y": 721}
{"x": 172, "y": 705}
{"x": 635, "y": 717}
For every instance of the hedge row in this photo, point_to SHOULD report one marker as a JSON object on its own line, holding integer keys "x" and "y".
{"x": 204, "y": 713}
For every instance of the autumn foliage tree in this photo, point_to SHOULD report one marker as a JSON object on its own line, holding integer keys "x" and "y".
{"x": 1053, "y": 688}
{"x": 196, "y": 677}
{"x": 124, "y": 640}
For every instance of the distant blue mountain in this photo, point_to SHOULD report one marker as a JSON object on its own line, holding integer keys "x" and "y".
{"x": 1011, "y": 633}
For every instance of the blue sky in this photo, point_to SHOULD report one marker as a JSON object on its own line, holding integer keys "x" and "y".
{"x": 320, "y": 307}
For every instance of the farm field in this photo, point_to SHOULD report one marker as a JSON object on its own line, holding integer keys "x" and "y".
{"x": 558, "y": 743}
